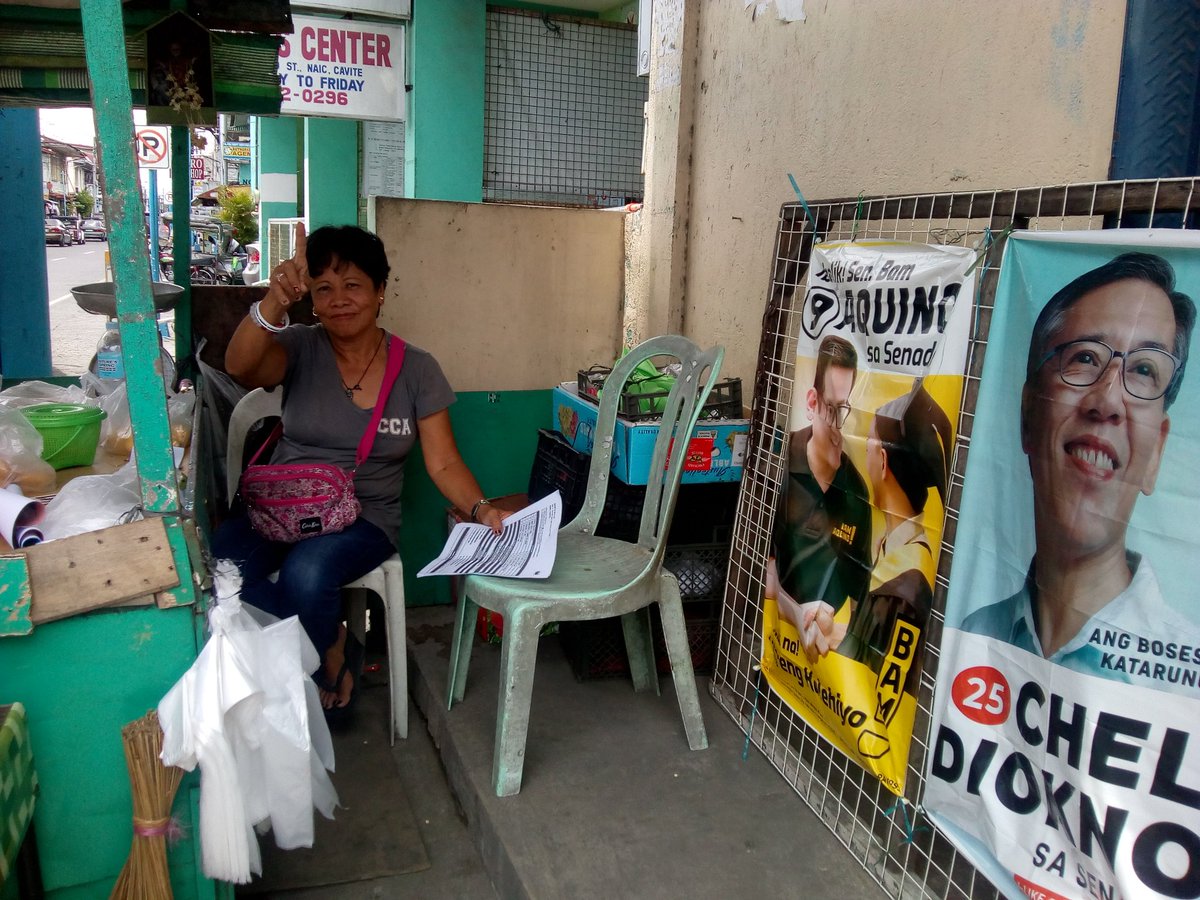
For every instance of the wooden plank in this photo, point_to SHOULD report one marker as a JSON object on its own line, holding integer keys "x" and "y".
{"x": 99, "y": 568}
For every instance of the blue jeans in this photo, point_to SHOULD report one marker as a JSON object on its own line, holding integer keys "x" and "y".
{"x": 311, "y": 572}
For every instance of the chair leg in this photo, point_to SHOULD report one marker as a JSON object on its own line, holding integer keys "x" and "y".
{"x": 670, "y": 609}
{"x": 397, "y": 643}
{"x": 643, "y": 668}
{"x": 460, "y": 650}
{"x": 518, "y": 658}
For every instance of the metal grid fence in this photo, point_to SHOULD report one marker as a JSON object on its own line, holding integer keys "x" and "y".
{"x": 895, "y": 842}
{"x": 563, "y": 104}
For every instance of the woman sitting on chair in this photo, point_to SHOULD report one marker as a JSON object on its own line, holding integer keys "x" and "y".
{"x": 332, "y": 373}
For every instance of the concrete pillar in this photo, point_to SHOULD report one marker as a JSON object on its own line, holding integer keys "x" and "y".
{"x": 24, "y": 306}
{"x": 444, "y": 136}
{"x": 668, "y": 154}
{"x": 331, "y": 172}
{"x": 276, "y": 162}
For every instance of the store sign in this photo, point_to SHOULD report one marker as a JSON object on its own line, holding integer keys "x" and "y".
{"x": 237, "y": 152}
{"x": 343, "y": 69}
{"x": 391, "y": 9}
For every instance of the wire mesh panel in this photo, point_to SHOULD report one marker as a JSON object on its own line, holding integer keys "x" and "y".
{"x": 562, "y": 111}
{"x": 894, "y": 840}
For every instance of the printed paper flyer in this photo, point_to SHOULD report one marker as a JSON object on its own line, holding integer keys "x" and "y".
{"x": 879, "y": 379}
{"x": 1065, "y": 750}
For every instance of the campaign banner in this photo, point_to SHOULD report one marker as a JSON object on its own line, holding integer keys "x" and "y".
{"x": 884, "y": 330}
{"x": 342, "y": 68}
{"x": 1065, "y": 747}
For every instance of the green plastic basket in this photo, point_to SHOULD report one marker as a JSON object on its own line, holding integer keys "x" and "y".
{"x": 70, "y": 432}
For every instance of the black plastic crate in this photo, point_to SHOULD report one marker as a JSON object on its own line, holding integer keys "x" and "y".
{"x": 557, "y": 466}
{"x": 596, "y": 649}
{"x": 723, "y": 402}
{"x": 704, "y": 513}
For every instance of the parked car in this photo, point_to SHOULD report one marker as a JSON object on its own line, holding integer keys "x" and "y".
{"x": 74, "y": 226}
{"x": 94, "y": 230}
{"x": 251, "y": 271}
{"x": 56, "y": 232}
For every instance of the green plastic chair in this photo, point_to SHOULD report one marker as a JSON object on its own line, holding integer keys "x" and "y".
{"x": 595, "y": 577}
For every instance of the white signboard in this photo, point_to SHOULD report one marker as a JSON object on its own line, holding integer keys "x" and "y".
{"x": 152, "y": 147}
{"x": 391, "y": 9}
{"x": 342, "y": 68}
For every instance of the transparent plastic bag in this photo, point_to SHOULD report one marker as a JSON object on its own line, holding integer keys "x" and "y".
{"x": 32, "y": 393}
{"x": 116, "y": 431}
{"x": 21, "y": 460}
{"x": 180, "y": 409}
{"x": 92, "y": 502}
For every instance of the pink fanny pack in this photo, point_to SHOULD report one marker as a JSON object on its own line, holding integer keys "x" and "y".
{"x": 294, "y": 501}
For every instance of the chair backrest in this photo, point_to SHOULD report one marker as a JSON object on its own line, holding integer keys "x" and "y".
{"x": 698, "y": 373}
{"x": 254, "y": 407}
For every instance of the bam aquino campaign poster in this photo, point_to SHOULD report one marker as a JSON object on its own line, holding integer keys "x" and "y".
{"x": 1064, "y": 755}
{"x": 849, "y": 587}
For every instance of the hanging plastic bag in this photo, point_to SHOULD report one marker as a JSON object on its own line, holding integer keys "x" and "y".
{"x": 249, "y": 715}
{"x": 21, "y": 460}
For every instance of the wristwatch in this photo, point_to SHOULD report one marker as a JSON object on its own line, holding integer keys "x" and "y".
{"x": 482, "y": 501}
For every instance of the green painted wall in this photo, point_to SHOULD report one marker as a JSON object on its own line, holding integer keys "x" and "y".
{"x": 444, "y": 138}
{"x": 331, "y": 172}
{"x": 81, "y": 679}
{"x": 277, "y": 160}
{"x": 497, "y": 435}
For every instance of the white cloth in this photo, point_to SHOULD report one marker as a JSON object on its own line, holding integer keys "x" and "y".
{"x": 248, "y": 714}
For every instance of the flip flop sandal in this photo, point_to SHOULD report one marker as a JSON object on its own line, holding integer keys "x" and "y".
{"x": 352, "y": 665}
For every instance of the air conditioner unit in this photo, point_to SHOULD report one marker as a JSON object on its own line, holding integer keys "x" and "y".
{"x": 281, "y": 242}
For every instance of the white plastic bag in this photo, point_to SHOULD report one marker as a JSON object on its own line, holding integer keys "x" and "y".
{"x": 92, "y": 502}
{"x": 249, "y": 715}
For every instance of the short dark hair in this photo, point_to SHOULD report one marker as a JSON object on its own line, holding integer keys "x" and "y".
{"x": 348, "y": 244}
{"x": 1148, "y": 267}
{"x": 834, "y": 351}
{"x": 918, "y": 438}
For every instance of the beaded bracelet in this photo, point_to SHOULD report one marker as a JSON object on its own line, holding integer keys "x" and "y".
{"x": 261, "y": 322}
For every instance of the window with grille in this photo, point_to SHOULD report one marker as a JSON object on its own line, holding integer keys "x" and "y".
{"x": 562, "y": 111}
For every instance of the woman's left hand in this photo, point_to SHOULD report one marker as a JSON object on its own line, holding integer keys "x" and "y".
{"x": 493, "y": 518}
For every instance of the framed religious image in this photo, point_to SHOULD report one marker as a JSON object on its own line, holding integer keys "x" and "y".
{"x": 179, "y": 83}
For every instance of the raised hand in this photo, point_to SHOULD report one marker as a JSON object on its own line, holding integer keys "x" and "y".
{"x": 289, "y": 279}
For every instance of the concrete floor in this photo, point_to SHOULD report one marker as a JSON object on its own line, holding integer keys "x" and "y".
{"x": 613, "y": 802}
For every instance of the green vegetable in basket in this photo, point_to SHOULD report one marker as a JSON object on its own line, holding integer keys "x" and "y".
{"x": 648, "y": 386}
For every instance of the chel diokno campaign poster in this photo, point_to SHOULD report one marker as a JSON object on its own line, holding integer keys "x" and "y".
{"x": 1064, "y": 756}
{"x": 882, "y": 346}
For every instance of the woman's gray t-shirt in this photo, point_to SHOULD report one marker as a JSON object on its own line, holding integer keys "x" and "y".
{"x": 321, "y": 424}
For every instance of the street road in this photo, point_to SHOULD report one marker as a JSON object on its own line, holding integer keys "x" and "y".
{"x": 73, "y": 332}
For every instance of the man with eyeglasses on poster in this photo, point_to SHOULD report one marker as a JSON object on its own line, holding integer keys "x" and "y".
{"x": 823, "y": 526}
{"x": 1106, "y": 360}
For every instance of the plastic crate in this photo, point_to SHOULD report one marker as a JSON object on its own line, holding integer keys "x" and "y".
{"x": 596, "y": 649}
{"x": 724, "y": 401}
{"x": 704, "y": 513}
{"x": 557, "y": 466}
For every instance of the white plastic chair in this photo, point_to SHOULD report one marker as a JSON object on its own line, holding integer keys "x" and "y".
{"x": 386, "y": 580}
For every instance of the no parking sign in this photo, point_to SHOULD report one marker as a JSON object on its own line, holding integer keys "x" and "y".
{"x": 152, "y": 147}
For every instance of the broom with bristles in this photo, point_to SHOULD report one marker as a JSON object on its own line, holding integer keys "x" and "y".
{"x": 145, "y": 876}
